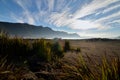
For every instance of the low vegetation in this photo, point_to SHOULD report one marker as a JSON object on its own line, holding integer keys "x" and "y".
{"x": 67, "y": 46}
{"x": 40, "y": 59}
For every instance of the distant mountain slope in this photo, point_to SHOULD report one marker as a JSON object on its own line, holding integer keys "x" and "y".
{"x": 118, "y": 37}
{"x": 31, "y": 31}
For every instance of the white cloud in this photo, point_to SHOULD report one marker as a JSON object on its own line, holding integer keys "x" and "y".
{"x": 62, "y": 16}
{"x": 88, "y": 34}
{"x": 118, "y": 21}
{"x": 114, "y": 21}
{"x": 64, "y": 19}
{"x": 19, "y": 20}
{"x": 103, "y": 19}
{"x": 60, "y": 4}
{"x": 59, "y": 13}
{"x": 28, "y": 17}
{"x": 92, "y": 7}
{"x": 110, "y": 8}
{"x": 38, "y": 4}
{"x": 59, "y": 19}
{"x": 21, "y": 4}
{"x": 24, "y": 4}
{"x": 80, "y": 24}
{"x": 50, "y": 4}
{"x": 26, "y": 14}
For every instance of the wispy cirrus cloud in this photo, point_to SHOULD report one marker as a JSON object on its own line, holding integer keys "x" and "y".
{"x": 75, "y": 14}
{"x": 103, "y": 19}
{"x": 63, "y": 18}
{"x": 92, "y": 7}
{"x": 20, "y": 20}
{"x": 74, "y": 20}
{"x": 115, "y": 21}
{"x": 111, "y": 8}
{"x": 51, "y": 4}
{"x": 26, "y": 16}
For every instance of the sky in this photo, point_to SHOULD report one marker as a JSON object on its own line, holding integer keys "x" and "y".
{"x": 88, "y": 18}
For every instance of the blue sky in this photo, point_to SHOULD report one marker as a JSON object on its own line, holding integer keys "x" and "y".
{"x": 88, "y": 18}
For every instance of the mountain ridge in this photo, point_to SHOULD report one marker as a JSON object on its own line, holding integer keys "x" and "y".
{"x": 118, "y": 37}
{"x": 31, "y": 31}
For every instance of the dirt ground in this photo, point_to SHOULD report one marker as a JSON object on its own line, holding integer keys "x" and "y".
{"x": 94, "y": 50}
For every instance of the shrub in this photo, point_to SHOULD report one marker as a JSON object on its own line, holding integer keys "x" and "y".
{"x": 57, "y": 50}
{"x": 78, "y": 70}
{"x": 78, "y": 50}
{"x": 43, "y": 50}
{"x": 16, "y": 49}
{"x": 66, "y": 46}
{"x": 3, "y": 34}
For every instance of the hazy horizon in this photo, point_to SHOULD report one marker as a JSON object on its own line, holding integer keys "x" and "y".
{"x": 88, "y": 18}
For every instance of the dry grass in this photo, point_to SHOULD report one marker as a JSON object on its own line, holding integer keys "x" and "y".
{"x": 96, "y": 60}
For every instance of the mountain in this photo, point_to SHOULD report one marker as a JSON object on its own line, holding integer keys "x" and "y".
{"x": 118, "y": 37}
{"x": 30, "y": 31}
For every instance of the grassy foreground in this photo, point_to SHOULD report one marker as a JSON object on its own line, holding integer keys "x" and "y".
{"x": 44, "y": 60}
